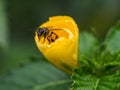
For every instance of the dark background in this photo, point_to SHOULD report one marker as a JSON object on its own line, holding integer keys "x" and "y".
{"x": 20, "y": 18}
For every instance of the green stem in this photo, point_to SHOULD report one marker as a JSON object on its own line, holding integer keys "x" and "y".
{"x": 50, "y": 84}
{"x": 96, "y": 85}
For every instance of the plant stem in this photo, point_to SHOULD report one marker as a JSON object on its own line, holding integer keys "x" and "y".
{"x": 50, "y": 84}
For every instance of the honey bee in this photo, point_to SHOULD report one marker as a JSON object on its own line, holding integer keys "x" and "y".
{"x": 47, "y": 34}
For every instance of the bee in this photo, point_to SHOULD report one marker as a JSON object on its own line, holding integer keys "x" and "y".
{"x": 47, "y": 34}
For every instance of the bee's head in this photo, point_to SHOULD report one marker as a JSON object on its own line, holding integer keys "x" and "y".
{"x": 40, "y": 31}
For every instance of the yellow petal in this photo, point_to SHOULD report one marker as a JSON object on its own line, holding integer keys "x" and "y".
{"x": 63, "y": 52}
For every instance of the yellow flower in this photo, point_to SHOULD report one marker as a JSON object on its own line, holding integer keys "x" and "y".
{"x": 57, "y": 39}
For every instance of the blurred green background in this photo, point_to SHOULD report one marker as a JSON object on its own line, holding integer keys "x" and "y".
{"x": 20, "y": 18}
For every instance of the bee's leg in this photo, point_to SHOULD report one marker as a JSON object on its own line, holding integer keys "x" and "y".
{"x": 44, "y": 36}
{"x": 49, "y": 39}
{"x": 39, "y": 37}
{"x": 52, "y": 39}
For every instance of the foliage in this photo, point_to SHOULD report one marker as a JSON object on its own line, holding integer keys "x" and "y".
{"x": 3, "y": 26}
{"x": 101, "y": 69}
{"x": 35, "y": 75}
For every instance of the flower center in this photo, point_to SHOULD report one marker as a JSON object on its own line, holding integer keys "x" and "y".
{"x": 46, "y": 35}
{"x": 49, "y": 35}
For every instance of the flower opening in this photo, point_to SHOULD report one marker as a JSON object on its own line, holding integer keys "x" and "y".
{"x": 57, "y": 39}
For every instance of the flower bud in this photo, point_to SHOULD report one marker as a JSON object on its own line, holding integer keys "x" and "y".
{"x": 57, "y": 39}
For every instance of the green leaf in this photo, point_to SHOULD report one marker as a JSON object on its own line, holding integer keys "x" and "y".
{"x": 90, "y": 82}
{"x": 113, "y": 38}
{"x": 38, "y": 75}
{"x": 99, "y": 63}
{"x": 87, "y": 43}
{"x": 102, "y": 64}
{"x": 3, "y": 26}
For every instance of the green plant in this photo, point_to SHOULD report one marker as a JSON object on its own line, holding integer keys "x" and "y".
{"x": 99, "y": 68}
